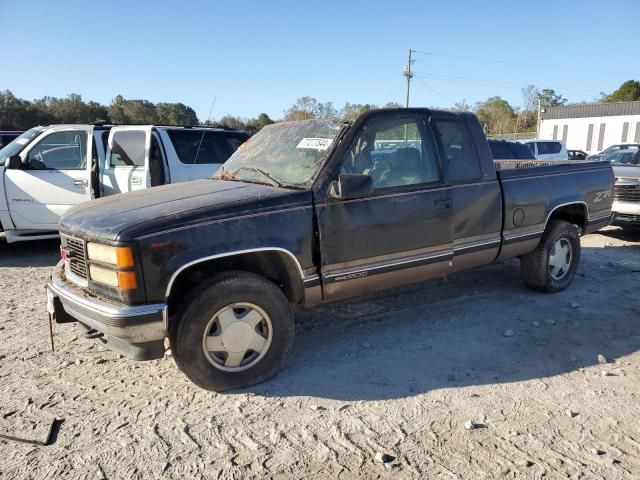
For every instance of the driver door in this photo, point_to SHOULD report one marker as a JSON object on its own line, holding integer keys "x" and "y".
{"x": 56, "y": 175}
{"x": 402, "y": 231}
{"x": 127, "y": 162}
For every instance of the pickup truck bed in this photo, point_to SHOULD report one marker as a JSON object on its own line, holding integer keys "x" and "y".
{"x": 532, "y": 190}
{"x": 311, "y": 212}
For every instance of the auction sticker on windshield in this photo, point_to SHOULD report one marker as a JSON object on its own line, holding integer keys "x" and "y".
{"x": 315, "y": 143}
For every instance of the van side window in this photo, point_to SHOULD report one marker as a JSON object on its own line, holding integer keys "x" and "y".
{"x": 458, "y": 150}
{"x": 394, "y": 152}
{"x": 198, "y": 147}
{"x": 127, "y": 149}
{"x": 546, "y": 148}
{"x": 60, "y": 151}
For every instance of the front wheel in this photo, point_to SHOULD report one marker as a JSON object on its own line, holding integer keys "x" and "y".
{"x": 552, "y": 266}
{"x": 232, "y": 332}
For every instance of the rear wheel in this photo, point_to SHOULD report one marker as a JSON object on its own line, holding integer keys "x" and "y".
{"x": 552, "y": 266}
{"x": 233, "y": 332}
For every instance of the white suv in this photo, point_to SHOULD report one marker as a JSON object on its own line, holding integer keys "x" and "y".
{"x": 547, "y": 149}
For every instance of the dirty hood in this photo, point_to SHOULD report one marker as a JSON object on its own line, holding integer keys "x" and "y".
{"x": 621, "y": 171}
{"x": 124, "y": 217}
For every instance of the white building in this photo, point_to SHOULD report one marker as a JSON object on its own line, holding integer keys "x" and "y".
{"x": 593, "y": 127}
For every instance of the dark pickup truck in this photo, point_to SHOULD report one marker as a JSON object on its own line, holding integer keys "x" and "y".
{"x": 310, "y": 212}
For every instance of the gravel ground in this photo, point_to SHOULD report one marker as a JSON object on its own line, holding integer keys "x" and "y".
{"x": 397, "y": 374}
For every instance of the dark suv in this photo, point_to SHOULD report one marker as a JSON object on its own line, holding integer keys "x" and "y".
{"x": 506, "y": 150}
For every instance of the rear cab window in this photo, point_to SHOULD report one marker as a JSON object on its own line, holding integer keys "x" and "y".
{"x": 204, "y": 147}
{"x": 458, "y": 151}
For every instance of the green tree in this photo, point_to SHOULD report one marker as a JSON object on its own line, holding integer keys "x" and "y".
{"x": 351, "y": 111}
{"x": 629, "y": 91}
{"x": 497, "y": 115}
{"x": 256, "y": 124}
{"x": 176, "y": 114}
{"x": 73, "y": 109}
{"x": 136, "y": 112}
{"x": 549, "y": 98}
{"x": 232, "y": 122}
{"x": 303, "y": 109}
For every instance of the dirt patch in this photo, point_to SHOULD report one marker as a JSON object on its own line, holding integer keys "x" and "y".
{"x": 470, "y": 377}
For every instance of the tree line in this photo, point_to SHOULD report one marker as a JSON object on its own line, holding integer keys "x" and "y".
{"x": 496, "y": 113}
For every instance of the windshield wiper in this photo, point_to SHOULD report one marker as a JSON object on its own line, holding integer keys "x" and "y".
{"x": 261, "y": 171}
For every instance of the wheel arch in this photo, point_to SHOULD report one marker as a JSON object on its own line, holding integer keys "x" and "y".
{"x": 275, "y": 264}
{"x": 576, "y": 213}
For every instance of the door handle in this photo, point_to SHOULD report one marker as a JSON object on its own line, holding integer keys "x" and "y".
{"x": 80, "y": 182}
{"x": 443, "y": 204}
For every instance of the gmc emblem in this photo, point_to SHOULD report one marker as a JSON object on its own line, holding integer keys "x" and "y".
{"x": 65, "y": 254}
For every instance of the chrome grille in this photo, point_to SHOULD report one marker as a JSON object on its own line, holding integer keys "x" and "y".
{"x": 627, "y": 193}
{"x": 77, "y": 260}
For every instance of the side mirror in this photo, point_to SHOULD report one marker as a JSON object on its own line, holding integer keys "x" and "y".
{"x": 351, "y": 185}
{"x": 14, "y": 162}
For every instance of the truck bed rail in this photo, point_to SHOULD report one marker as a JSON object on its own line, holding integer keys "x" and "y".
{"x": 513, "y": 164}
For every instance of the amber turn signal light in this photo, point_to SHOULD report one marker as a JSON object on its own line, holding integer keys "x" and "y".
{"x": 127, "y": 280}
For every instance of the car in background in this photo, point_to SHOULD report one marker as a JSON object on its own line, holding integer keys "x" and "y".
{"x": 621, "y": 157}
{"x": 506, "y": 150}
{"x": 547, "y": 149}
{"x": 49, "y": 169}
{"x": 626, "y": 193}
{"x": 7, "y": 137}
{"x": 577, "y": 155}
{"x": 614, "y": 148}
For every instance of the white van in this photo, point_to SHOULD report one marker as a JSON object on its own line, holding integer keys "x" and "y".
{"x": 47, "y": 170}
{"x": 547, "y": 149}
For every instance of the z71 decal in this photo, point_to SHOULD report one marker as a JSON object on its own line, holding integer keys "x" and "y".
{"x": 601, "y": 196}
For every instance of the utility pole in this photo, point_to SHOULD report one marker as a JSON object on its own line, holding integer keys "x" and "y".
{"x": 538, "y": 122}
{"x": 409, "y": 74}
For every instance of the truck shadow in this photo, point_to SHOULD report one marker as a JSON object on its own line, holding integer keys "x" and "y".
{"x": 629, "y": 233}
{"x": 37, "y": 253}
{"x": 451, "y": 334}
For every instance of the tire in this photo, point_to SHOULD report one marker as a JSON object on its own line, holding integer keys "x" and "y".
{"x": 538, "y": 267}
{"x": 204, "y": 323}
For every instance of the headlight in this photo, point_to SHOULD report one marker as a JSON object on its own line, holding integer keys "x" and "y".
{"x": 113, "y": 278}
{"x": 104, "y": 275}
{"x": 121, "y": 257}
{"x": 114, "y": 259}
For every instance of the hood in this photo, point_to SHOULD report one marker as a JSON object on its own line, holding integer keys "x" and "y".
{"x": 626, "y": 172}
{"x": 125, "y": 216}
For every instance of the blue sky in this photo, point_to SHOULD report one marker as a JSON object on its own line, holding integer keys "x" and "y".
{"x": 260, "y": 56}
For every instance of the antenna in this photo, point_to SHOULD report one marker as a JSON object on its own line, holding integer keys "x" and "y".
{"x": 203, "y": 131}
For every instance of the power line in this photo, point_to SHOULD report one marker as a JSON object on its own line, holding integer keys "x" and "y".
{"x": 511, "y": 62}
{"x": 463, "y": 79}
{"x": 434, "y": 90}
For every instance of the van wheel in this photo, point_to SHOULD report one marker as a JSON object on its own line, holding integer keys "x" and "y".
{"x": 552, "y": 266}
{"x": 232, "y": 332}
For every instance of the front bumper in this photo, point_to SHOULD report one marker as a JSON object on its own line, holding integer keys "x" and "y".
{"x": 621, "y": 207}
{"x": 626, "y": 212}
{"x": 137, "y": 332}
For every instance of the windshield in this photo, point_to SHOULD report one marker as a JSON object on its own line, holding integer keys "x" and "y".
{"x": 615, "y": 148}
{"x": 18, "y": 144}
{"x": 622, "y": 157}
{"x": 286, "y": 154}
